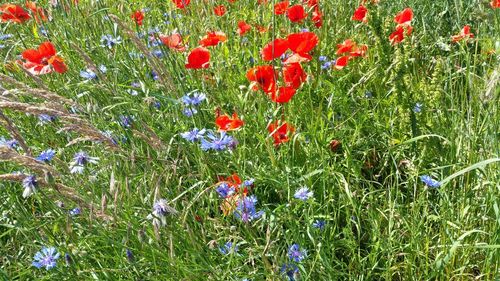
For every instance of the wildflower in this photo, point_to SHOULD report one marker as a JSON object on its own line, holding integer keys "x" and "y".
{"x": 68, "y": 259}
{"x": 283, "y": 95}
{"x": 274, "y": 49}
{"x": 75, "y": 212}
{"x": 189, "y": 111}
{"x": 88, "y": 74}
{"x": 220, "y": 10}
{"x": 429, "y": 181}
{"x": 13, "y": 13}
{"x": 303, "y": 193}
{"x": 228, "y": 248}
{"x": 224, "y": 190}
{"x": 243, "y": 28}
{"x": 405, "y": 17}
{"x": 341, "y": 62}
{"x": 495, "y": 4}
{"x": 198, "y": 58}
{"x": 80, "y": 160}
{"x": 317, "y": 17}
{"x": 193, "y": 135}
{"x": 45, "y": 118}
{"x": 217, "y": 143}
{"x": 290, "y": 270}
{"x": 181, "y": 4}
{"x": 160, "y": 211}
{"x": 403, "y": 20}
{"x": 464, "y": 34}
{"x": 138, "y": 17}
{"x": 109, "y": 41}
{"x": 295, "y": 254}
{"x": 296, "y": 13}
{"x": 30, "y": 184}
{"x": 360, "y": 14}
{"x": 194, "y": 98}
{"x": 281, "y": 7}
{"x": 226, "y": 123}
{"x": 126, "y": 121}
{"x": 245, "y": 209}
{"x": 46, "y": 155}
{"x": 47, "y": 258}
{"x": 264, "y": 78}
{"x": 173, "y": 42}
{"x": 43, "y": 60}
{"x": 280, "y": 132}
{"x": 294, "y": 75}
{"x": 130, "y": 256}
{"x": 38, "y": 12}
{"x": 8, "y": 143}
{"x": 319, "y": 224}
{"x": 303, "y": 43}
{"x": 213, "y": 39}
{"x": 417, "y": 108}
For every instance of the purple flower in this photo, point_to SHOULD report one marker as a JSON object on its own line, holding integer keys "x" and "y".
{"x": 80, "y": 160}
{"x": 45, "y": 118}
{"x": 47, "y": 258}
{"x": 30, "y": 184}
{"x": 417, "y": 108}
{"x": 193, "y": 135}
{"x": 130, "y": 256}
{"x": 245, "y": 209}
{"x": 75, "y": 212}
{"x": 228, "y": 248}
{"x": 290, "y": 270}
{"x": 224, "y": 190}
{"x": 194, "y": 98}
{"x": 9, "y": 143}
{"x": 126, "y": 121}
{"x": 429, "y": 181}
{"x": 303, "y": 194}
{"x": 189, "y": 111}
{"x": 295, "y": 254}
{"x": 319, "y": 224}
{"x": 217, "y": 143}
{"x": 109, "y": 41}
{"x": 160, "y": 211}
{"x": 46, "y": 155}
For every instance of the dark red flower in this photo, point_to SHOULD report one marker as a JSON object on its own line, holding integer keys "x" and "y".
{"x": 296, "y": 13}
{"x": 43, "y": 60}
{"x": 138, "y": 17}
{"x": 264, "y": 76}
{"x": 360, "y": 14}
{"x": 243, "y": 28}
{"x": 181, "y": 4}
{"x": 274, "y": 49}
{"x": 220, "y": 10}
{"x": 213, "y": 39}
{"x": 13, "y": 13}
{"x": 281, "y": 7}
{"x": 294, "y": 75}
{"x": 198, "y": 58}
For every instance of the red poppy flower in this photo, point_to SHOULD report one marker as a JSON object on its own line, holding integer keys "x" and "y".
{"x": 360, "y": 14}
{"x": 232, "y": 1}
{"x": 173, "y": 42}
{"x": 399, "y": 34}
{"x": 296, "y": 13}
{"x": 405, "y": 17}
{"x": 138, "y": 17}
{"x": 303, "y": 42}
{"x": 283, "y": 95}
{"x": 38, "y": 12}
{"x": 280, "y": 132}
{"x": 345, "y": 47}
{"x": 317, "y": 17}
{"x": 213, "y": 38}
{"x": 198, "y": 58}
{"x": 181, "y": 4}
{"x": 294, "y": 75}
{"x": 311, "y": 3}
{"x": 227, "y": 123}
{"x": 495, "y": 4}
{"x": 13, "y": 13}
{"x": 296, "y": 58}
{"x": 262, "y": 29}
{"x": 359, "y": 51}
{"x": 264, "y": 76}
{"x": 464, "y": 34}
{"x": 341, "y": 62}
{"x": 274, "y": 49}
{"x": 220, "y": 10}
{"x": 243, "y": 28}
{"x": 44, "y": 60}
{"x": 281, "y": 7}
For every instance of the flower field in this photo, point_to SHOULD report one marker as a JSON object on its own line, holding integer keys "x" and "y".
{"x": 249, "y": 140}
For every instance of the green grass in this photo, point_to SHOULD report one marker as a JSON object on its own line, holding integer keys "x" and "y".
{"x": 382, "y": 223}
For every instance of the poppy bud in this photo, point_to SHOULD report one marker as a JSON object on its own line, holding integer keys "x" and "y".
{"x": 335, "y": 146}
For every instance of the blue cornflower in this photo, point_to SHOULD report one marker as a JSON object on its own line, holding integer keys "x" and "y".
{"x": 5, "y": 36}
{"x": 161, "y": 209}
{"x": 189, "y": 111}
{"x": 327, "y": 65}
{"x": 30, "y": 184}
{"x": 217, "y": 143}
{"x": 109, "y": 41}
{"x": 44, "y": 31}
{"x": 80, "y": 160}
{"x": 130, "y": 255}
{"x": 194, "y": 98}
{"x": 295, "y": 254}
{"x": 368, "y": 95}
{"x": 228, "y": 248}
{"x": 47, "y": 258}
{"x": 224, "y": 190}
{"x": 303, "y": 193}
{"x": 126, "y": 121}
{"x": 9, "y": 143}
{"x": 158, "y": 53}
{"x": 319, "y": 224}
{"x": 75, "y": 212}
{"x": 46, "y": 155}
{"x": 154, "y": 75}
{"x": 68, "y": 259}
{"x": 88, "y": 74}
{"x": 323, "y": 58}
{"x": 245, "y": 209}
{"x": 193, "y": 135}
{"x": 157, "y": 104}
{"x": 429, "y": 181}
{"x": 290, "y": 270}
{"x": 248, "y": 182}
{"x": 45, "y": 118}
{"x": 417, "y": 108}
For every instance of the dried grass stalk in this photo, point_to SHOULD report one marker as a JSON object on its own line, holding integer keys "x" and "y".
{"x": 8, "y": 154}
{"x": 14, "y": 132}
